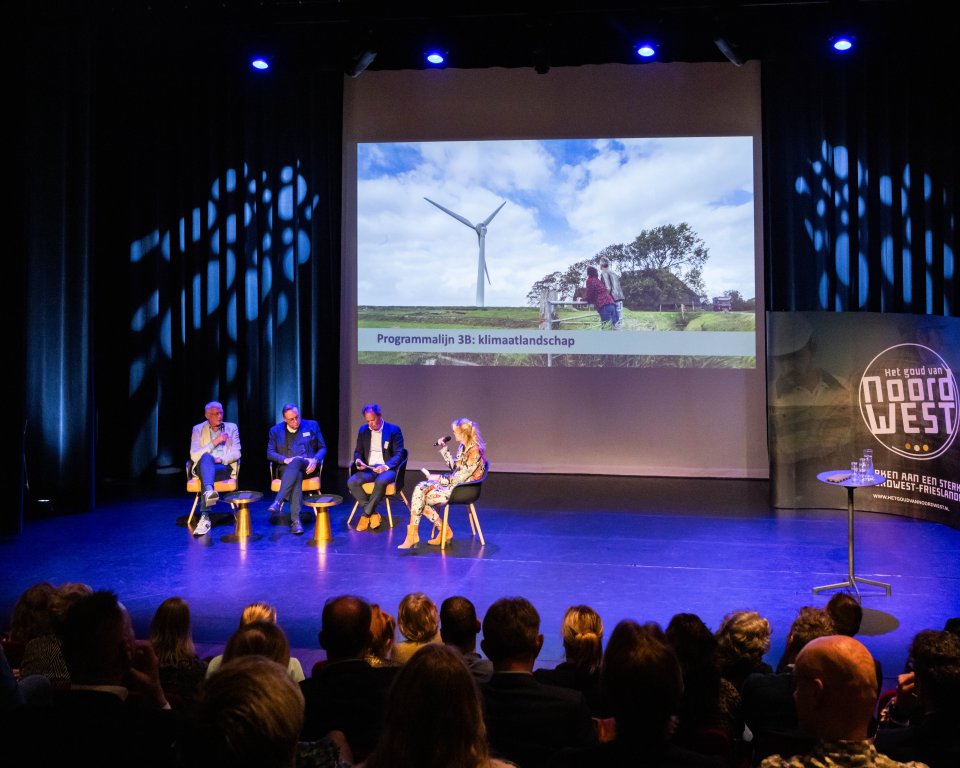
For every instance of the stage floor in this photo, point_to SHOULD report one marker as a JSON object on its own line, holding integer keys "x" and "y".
{"x": 639, "y": 548}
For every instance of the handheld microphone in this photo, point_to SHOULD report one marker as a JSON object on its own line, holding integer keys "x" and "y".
{"x": 442, "y": 441}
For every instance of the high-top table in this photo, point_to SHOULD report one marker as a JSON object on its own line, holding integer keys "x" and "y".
{"x": 844, "y": 478}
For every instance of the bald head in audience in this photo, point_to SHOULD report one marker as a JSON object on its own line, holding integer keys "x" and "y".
{"x": 836, "y": 688}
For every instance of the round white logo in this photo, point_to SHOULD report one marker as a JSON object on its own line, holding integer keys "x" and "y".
{"x": 909, "y": 399}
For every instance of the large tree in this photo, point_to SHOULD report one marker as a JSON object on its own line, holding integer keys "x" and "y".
{"x": 645, "y": 263}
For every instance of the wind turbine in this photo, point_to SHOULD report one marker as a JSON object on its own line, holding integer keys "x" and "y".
{"x": 481, "y": 230}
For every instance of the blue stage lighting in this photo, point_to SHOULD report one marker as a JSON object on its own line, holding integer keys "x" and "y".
{"x": 842, "y": 43}
{"x": 258, "y": 62}
{"x": 646, "y": 50}
{"x": 435, "y": 57}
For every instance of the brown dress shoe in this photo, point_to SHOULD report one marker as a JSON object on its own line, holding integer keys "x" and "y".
{"x": 375, "y": 521}
{"x": 363, "y": 523}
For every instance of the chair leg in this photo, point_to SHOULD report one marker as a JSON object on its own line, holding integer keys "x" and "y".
{"x": 355, "y": 505}
{"x": 443, "y": 528}
{"x": 473, "y": 528}
{"x": 473, "y": 514}
{"x": 389, "y": 512}
{"x": 193, "y": 509}
{"x": 405, "y": 500}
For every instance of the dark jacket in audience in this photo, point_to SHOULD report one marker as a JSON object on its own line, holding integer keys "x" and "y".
{"x": 528, "y": 722}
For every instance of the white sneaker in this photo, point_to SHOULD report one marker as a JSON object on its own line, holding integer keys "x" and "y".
{"x": 211, "y": 497}
{"x": 203, "y": 527}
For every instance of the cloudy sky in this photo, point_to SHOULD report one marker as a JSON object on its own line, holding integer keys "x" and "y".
{"x": 565, "y": 200}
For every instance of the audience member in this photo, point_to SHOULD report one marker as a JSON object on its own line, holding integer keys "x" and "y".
{"x": 931, "y": 733}
{"x": 459, "y": 628}
{"x": 260, "y": 611}
{"x": 249, "y": 715}
{"x": 418, "y": 622}
{"x": 346, "y": 694}
{"x": 582, "y": 632}
{"x": 528, "y": 722}
{"x": 847, "y": 615}
{"x": 743, "y": 639}
{"x": 181, "y": 670}
{"x": 43, "y": 655}
{"x": 258, "y": 638}
{"x": 768, "y": 706}
{"x": 835, "y": 698}
{"x": 11, "y": 696}
{"x": 710, "y": 715}
{"x": 115, "y": 712}
{"x": 382, "y": 630}
{"x": 435, "y": 673}
{"x": 642, "y": 683}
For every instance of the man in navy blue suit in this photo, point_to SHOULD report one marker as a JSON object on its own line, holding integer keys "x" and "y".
{"x": 378, "y": 453}
{"x": 297, "y": 445}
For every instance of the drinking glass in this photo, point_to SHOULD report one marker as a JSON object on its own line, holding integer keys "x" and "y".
{"x": 855, "y": 471}
{"x": 868, "y": 455}
{"x": 863, "y": 469}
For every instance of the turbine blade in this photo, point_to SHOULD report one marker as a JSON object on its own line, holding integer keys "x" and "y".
{"x": 487, "y": 272}
{"x": 490, "y": 217}
{"x": 457, "y": 216}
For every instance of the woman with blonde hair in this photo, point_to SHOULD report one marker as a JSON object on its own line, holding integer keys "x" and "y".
{"x": 419, "y": 623}
{"x": 468, "y": 465}
{"x": 582, "y": 631}
{"x": 435, "y": 673}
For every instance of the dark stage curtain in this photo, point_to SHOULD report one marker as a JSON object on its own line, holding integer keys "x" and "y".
{"x": 861, "y": 179}
{"x": 187, "y": 229}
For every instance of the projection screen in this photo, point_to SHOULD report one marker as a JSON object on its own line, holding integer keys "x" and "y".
{"x": 475, "y": 200}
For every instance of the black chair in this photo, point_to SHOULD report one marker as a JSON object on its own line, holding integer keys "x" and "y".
{"x": 466, "y": 494}
{"x": 392, "y": 488}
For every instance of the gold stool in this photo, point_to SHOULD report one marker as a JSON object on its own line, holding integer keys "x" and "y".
{"x": 321, "y": 505}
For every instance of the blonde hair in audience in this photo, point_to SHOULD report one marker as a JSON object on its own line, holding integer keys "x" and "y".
{"x": 382, "y": 628}
{"x": 258, "y": 612}
{"x": 582, "y": 631}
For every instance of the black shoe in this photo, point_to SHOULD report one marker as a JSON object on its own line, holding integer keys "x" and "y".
{"x": 296, "y": 527}
{"x": 274, "y": 509}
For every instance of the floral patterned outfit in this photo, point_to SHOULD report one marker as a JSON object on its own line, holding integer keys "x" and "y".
{"x": 468, "y": 466}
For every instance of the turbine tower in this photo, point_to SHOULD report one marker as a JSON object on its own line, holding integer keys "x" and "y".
{"x": 481, "y": 230}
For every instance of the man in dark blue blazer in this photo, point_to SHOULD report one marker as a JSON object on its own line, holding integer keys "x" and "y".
{"x": 378, "y": 453}
{"x": 297, "y": 445}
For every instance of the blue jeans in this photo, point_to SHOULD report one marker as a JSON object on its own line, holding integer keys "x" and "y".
{"x": 608, "y": 314}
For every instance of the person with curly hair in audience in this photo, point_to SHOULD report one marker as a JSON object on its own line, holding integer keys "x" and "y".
{"x": 419, "y": 622}
{"x": 743, "y": 639}
{"x": 434, "y": 675}
{"x": 43, "y": 653}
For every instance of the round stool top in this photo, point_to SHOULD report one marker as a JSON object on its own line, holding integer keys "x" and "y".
{"x": 326, "y": 500}
{"x": 233, "y": 498}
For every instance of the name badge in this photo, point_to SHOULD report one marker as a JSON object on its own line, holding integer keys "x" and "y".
{"x": 306, "y": 434}
{"x": 386, "y": 444}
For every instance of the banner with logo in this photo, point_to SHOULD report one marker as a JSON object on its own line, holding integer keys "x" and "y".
{"x": 840, "y": 383}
